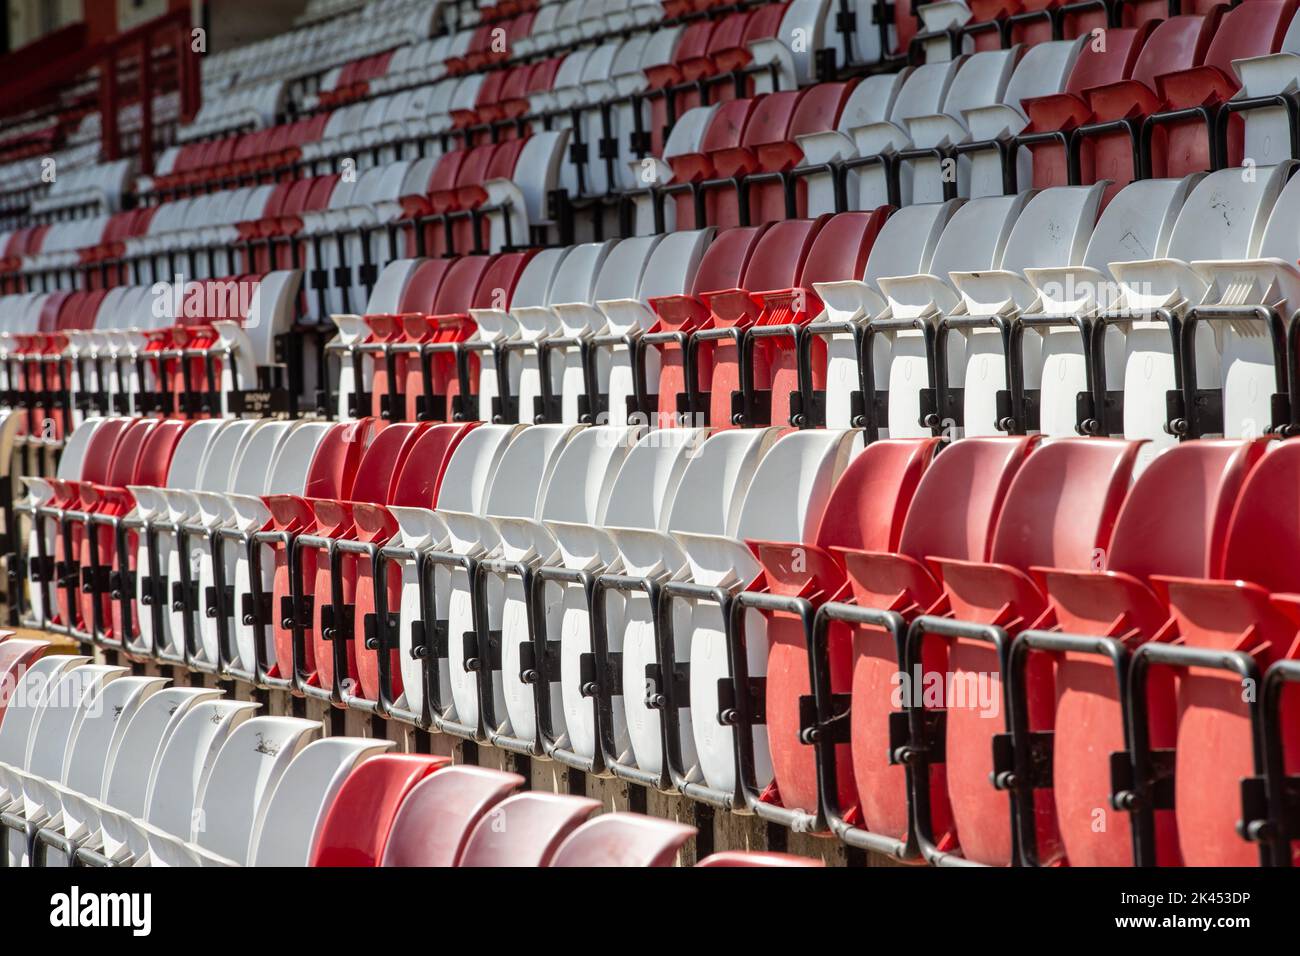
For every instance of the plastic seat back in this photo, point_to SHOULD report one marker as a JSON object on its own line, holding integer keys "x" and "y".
{"x": 623, "y": 839}
{"x": 434, "y": 822}
{"x": 354, "y": 831}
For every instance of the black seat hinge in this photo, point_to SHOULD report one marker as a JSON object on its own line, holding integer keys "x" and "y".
{"x": 729, "y": 696}
{"x": 933, "y": 745}
{"x": 1040, "y": 761}
{"x": 1159, "y": 783}
{"x": 592, "y": 681}
{"x": 655, "y": 698}
{"x": 833, "y": 730}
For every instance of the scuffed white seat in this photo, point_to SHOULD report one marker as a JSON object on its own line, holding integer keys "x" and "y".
{"x": 973, "y": 240}
{"x": 1224, "y": 217}
{"x": 178, "y": 779}
{"x": 641, "y": 497}
{"x": 130, "y": 768}
{"x": 233, "y": 799}
{"x": 576, "y": 490}
{"x": 1137, "y": 223}
{"x": 1052, "y": 230}
{"x": 297, "y": 804}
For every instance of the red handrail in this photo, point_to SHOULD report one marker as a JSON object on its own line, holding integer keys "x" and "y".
{"x": 144, "y": 44}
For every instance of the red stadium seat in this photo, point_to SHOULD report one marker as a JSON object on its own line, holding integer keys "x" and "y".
{"x": 434, "y": 822}
{"x": 356, "y": 827}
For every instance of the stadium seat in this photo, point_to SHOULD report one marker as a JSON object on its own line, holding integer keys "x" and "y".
{"x": 623, "y": 839}
{"x": 356, "y": 828}
{"x": 525, "y": 830}
{"x": 310, "y": 783}
{"x": 434, "y": 822}
{"x": 424, "y": 665}
{"x": 1119, "y": 601}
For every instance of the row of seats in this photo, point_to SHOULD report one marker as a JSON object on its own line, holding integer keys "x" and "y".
{"x": 143, "y": 349}
{"x": 1093, "y": 349}
{"x": 512, "y": 584}
{"x": 758, "y": 159}
{"x": 1017, "y": 313}
{"x": 108, "y": 769}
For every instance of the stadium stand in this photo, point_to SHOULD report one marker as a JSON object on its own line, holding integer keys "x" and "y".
{"x": 867, "y": 419}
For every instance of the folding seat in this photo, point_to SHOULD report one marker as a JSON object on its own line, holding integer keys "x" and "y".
{"x": 297, "y": 805}
{"x": 865, "y": 511}
{"x": 526, "y": 829}
{"x": 1106, "y": 139}
{"x": 474, "y": 539}
{"x": 463, "y": 489}
{"x": 1232, "y": 627}
{"x": 496, "y": 203}
{"x": 507, "y": 390}
{"x": 331, "y": 476}
{"x": 785, "y": 394}
{"x": 875, "y": 128}
{"x": 247, "y": 476}
{"x": 766, "y": 147}
{"x": 165, "y": 584}
{"x": 104, "y": 493}
{"x": 750, "y": 378}
{"x": 924, "y": 161}
{"x": 142, "y": 458}
{"x": 229, "y": 811}
{"x": 356, "y": 827}
{"x": 542, "y": 535}
{"x": 1043, "y": 522}
{"x": 1044, "y": 69}
{"x": 615, "y": 346}
{"x": 1224, "y": 218}
{"x": 756, "y": 858}
{"x": 47, "y": 498}
{"x": 148, "y": 535}
{"x": 93, "y": 817}
{"x": 696, "y": 486}
{"x": 1053, "y": 116}
{"x": 1156, "y": 536}
{"x": 434, "y": 822}
{"x": 540, "y": 390}
{"x": 179, "y": 776}
{"x": 623, "y": 839}
{"x": 973, "y": 240}
{"x": 585, "y": 343}
{"x": 24, "y": 706}
{"x": 92, "y": 744}
{"x": 402, "y": 467}
{"x": 60, "y": 714}
{"x": 415, "y": 371}
{"x": 1256, "y": 394}
{"x": 1178, "y": 145}
{"x": 967, "y": 483}
{"x": 678, "y": 166}
{"x": 1079, "y": 353}
{"x": 1002, "y": 387}
{"x": 731, "y": 762}
{"x": 679, "y": 385}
